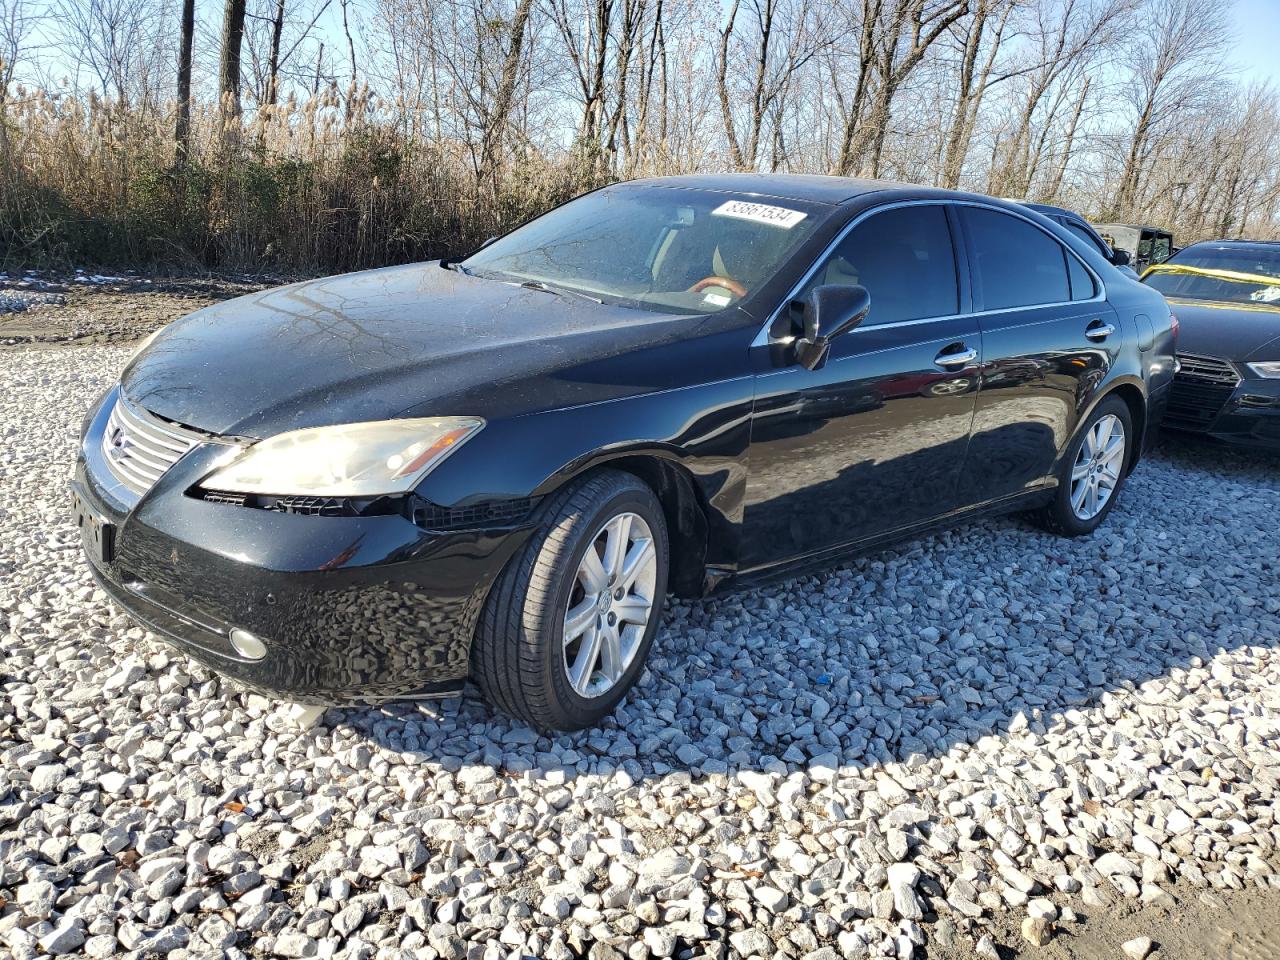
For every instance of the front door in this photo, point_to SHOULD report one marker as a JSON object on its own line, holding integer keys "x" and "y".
{"x": 874, "y": 440}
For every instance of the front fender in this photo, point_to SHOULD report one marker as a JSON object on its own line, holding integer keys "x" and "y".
{"x": 701, "y": 430}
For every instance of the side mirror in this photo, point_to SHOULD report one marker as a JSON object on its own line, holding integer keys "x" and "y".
{"x": 1120, "y": 257}
{"x": 830, "y": 310}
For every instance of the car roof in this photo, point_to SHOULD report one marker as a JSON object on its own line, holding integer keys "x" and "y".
{"x": 800, "y": 186}
{"x": 1262, "y": 246}
{"x": 1131, "y": 226}
{"x": 1047, "y": 208}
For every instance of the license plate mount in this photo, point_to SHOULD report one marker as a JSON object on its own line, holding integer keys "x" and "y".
{"x": 96, "y": 532}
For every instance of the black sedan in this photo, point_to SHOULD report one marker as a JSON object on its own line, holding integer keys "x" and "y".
{"x": 376, "y": 485}
{"x": 1226, "y": 296}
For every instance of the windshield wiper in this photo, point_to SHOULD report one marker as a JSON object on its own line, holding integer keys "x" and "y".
{"x": 456, "y": 265}
{"x": 558, "y": 291}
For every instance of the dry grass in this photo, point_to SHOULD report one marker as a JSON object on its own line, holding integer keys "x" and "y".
{"x": 297, "y": 189}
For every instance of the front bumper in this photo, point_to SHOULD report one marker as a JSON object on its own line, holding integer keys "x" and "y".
{"x": 351, "y": 609}
{"x": 1246, "y": 413}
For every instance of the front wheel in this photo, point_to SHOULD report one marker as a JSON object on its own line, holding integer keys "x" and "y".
{"x": 568, "y": 626}
{"x": 1092, "y": 472}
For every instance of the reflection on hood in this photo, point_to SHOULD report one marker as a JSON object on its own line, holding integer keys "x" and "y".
{"x": 403, "y": 341}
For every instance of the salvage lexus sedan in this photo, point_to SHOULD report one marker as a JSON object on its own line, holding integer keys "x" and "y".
{"x": 376, "y": 485}
{"x": 1226, "y": 295}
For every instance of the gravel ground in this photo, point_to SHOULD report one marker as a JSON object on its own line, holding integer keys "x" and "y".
{"x": 967, "y": 745}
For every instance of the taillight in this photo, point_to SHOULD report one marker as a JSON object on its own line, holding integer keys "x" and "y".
{"x": 1173, "y": 324}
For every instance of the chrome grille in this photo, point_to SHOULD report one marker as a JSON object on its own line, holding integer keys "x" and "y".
{"x": 1207, "y": 370}
{"x": 1201, "y": 388}
{"x": 139, "y": 447}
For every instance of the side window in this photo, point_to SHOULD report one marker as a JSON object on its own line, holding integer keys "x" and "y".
{"x": 1086, "y": 236}
{"x": 1019, "y": 265}
{"x": 1082, "y": 287}
{"x": 905, "y": 259}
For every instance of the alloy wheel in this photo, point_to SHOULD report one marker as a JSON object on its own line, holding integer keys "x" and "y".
{"x": 610, "y": 605}
{"x": 1096, "y": 472}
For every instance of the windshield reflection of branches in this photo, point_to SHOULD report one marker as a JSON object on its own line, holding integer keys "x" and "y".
{"x": 653, "y": 248}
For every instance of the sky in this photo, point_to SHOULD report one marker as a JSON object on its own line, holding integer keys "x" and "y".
{"x": 1257, "y": 50}
{"x": 1255, "y": 53}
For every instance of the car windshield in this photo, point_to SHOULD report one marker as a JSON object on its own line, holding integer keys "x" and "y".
{"x": 1239, "y": 275}
{"x": 668, "y": 249}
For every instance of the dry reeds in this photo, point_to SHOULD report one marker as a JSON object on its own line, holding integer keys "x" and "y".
{"x": 299, "y": 187}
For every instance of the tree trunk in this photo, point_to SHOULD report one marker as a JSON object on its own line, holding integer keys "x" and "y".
{"x": 492, "y": 143}
{"x": 1055, "y": 184}
{"x": 722, "y": 88}
{"x": 229, "y": 66}
{"x": 182, "y": 130}
{"x": 593, "y": 107}
{"x": 1133, "y": 161}
{"x": 273, "y": 69}
{"x": 972, "y": 89}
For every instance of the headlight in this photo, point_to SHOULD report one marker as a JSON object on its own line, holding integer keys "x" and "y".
{"x": 1269, "y": 369}
{"x": 347, "y": 460}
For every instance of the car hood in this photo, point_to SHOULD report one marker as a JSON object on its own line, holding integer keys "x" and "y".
{"x": 416, "y": 340}
{"x": 1233, "y": 331}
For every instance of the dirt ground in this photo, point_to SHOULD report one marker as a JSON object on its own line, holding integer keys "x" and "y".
{"x": 79, "y": 309}
{"x": 1204, "y": 925}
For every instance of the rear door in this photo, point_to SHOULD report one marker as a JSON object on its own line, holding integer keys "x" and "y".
{"x": 875, "y": 439}
{"x": 1048, "y": 340}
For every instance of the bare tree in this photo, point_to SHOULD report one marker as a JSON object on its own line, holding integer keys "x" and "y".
{"x": 895, "y": 36}
{"x": 121, "y": 43}
{"x": 1172, "y": 60}
{"x": 499, "y": 112}
{"x": 779, "y": 40}
{"x": 16, "y": 24}
{"x": 980, "y": 46}
{"x": 1065, "y": 38}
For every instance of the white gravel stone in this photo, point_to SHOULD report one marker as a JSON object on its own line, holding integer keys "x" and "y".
{"x": 902, "y": 880}
{"x": 1137, "y": 948}
{"x": 66, "y": 937}
{"x": 771, "y": 898}
{"x": 1037, "y": 931}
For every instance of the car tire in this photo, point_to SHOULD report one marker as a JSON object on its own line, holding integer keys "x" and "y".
{"x": 1073, "y": 512}
{"x": 520, "y": 657}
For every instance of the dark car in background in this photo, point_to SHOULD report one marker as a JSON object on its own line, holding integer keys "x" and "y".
{"x": 376, "y": 485}
{"x": 1085, "y": 231}
{"x": 1145, "y": 245}
{"x": 1226, "y": 296}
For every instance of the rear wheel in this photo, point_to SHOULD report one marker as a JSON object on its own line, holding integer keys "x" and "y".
{"x": 568, "y": 626}
{"x": 1092, "y": 472}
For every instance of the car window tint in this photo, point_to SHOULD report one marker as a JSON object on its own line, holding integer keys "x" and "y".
{"x": 905, "y": 259}
{"x": 1082, "y": 287}
{"x": 1086, "y": 236}
{"x": 1259, "y": 260}
{"x": 1019, "y": 265}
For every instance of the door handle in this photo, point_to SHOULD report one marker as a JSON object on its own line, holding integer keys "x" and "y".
{"x": 950, "y": 360}
{"x": 1098, "y": 331}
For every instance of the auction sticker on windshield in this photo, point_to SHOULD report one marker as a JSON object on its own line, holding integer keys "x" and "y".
{"x": 759, "y": 213}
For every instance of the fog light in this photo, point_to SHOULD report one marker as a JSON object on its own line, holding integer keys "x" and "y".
{"x": 247, "y": 645}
